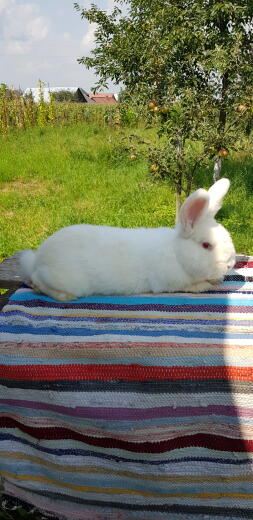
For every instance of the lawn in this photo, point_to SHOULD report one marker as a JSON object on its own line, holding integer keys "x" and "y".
{"x": 81, "y": 173}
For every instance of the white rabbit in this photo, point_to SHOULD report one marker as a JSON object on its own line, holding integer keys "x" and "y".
{"x": 83, "y": 259}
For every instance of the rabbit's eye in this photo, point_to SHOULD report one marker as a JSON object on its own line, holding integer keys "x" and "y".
{"x": 207, "y": 245}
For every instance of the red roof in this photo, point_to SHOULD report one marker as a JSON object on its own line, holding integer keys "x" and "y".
{"x": 106, "y": 99}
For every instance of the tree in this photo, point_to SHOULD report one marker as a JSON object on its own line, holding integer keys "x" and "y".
{"x": 66, "y": 96}
{"x": 193, "y": 59}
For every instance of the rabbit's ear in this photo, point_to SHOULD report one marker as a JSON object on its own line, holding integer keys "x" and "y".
{"x": 217, "y": 192}
{"x": 193, "y": 208}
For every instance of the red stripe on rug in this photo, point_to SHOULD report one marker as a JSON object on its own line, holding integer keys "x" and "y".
{"x": 243, "y": 264}
{"x": 132, "y": 372}
{"x": 216, "y": 442}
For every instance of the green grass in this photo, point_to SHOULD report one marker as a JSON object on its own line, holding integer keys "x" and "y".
{"x": 80, "y": 173}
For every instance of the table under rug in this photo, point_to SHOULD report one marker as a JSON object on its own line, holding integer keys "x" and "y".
{"x": 124, "y": 408}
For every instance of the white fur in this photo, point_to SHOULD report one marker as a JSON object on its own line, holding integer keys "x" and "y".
{"x": 82, "y": 260}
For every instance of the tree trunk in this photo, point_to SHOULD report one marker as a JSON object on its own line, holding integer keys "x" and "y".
{"x": 178, "y": 203}
{"x": 249, "y": 126}
{"x": 223, "y": 109}
{"x": 222, "y": 122}
{"x": 217, "y": 168}
{"x": 180, "y": 174}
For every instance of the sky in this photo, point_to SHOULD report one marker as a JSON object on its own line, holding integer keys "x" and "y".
{"x": 42, "y": 39}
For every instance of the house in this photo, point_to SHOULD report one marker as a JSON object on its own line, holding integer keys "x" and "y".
{"x": 104, "y": 99}
{"x": 82, "y": 96}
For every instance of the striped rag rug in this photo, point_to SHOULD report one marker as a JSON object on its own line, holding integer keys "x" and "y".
{"x": 130, "y": 408}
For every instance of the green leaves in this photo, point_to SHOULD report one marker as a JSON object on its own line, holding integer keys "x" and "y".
{"x": 194, "y": 56}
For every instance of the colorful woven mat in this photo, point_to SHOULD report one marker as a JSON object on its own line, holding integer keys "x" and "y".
{"x": 130, "y": 408}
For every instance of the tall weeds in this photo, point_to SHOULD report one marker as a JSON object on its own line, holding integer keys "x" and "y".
{"x": 15, "y": 110}
{"x": 19, "y": 112}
